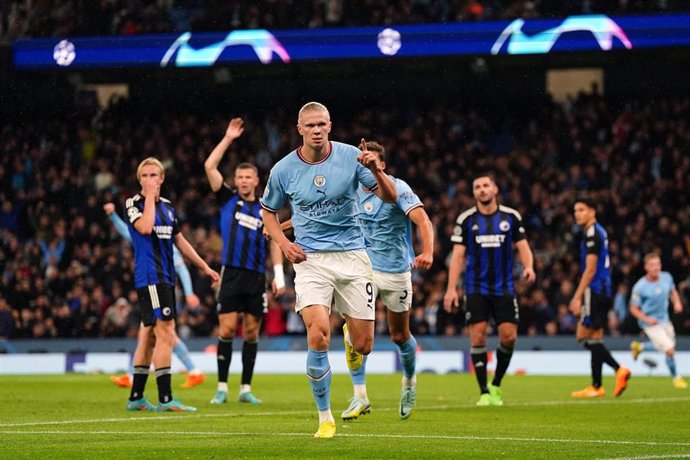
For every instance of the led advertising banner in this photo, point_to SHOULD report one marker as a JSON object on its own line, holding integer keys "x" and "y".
{"x": 540, "y": 36}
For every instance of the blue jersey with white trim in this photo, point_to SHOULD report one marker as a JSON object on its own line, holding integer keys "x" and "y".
{"x": 387, "y": 229}
{"x": 489, "y": 240}
{"x": 652, "y": 297}
{"x": 153, "y": 254}
{"x": 596, "y": 241}
{"x": 322, "y": 196}
{"x": 241, "y": 227}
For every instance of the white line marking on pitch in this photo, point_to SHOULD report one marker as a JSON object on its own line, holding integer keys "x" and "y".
{"x": 174, "y": 416}
{"x": 650, "y": 457}
{"x": 389, "y": 436}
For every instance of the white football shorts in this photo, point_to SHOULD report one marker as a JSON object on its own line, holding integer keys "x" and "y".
{"x": 395, "y": 290}
{"x": 663, "y": 336}
{"x": 344, "y": 277}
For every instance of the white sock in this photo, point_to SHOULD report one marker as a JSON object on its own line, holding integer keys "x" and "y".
{"x": 245, "y": 388}
{"x": 361, "y": 391}
{"x": 325, "y": 415}
{"x": 195, "y": 371}
{"x": 409, "y": 382}
{"x": 223, "y": 386}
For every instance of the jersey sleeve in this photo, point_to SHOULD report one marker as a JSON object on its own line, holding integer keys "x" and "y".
{"x": 175, "y": 226}
{"x": 364, "y": 175}
{"x": 407, "y": 199}
{"x": 670, "y": 281}
{"x": 459, "y": 231}
{"x": 518, "y": 228}
{"x": 224, "y": 194}
{"x": 274, "y": 196}
{"x": 120, "y": 226}
{"x": 133, "y": 212}
{"x": 592, "y": 241}
{"x": 636, "y": 295}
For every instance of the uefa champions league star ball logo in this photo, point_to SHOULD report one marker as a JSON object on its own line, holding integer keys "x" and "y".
{"x": 64, "y": 53}
{"x": 389, "y": 42}
{"x": 319, "y": 181}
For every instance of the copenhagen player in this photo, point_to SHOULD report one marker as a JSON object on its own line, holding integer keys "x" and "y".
{"x": 649, "y": 305}
{"x": 153, "y": 227}
{"x": 388, "y": 235}
{"x": 595, "y": 288}
{"x": 243, "y": 280}
{"x": 194, "y": 375}
{"x": 320, "y": 179}
{"x": 485, "y": 237}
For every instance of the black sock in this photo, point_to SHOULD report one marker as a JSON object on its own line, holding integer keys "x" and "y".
{"x": 597, "y": 363}
{"x": 606, "y": 355}
{"x": 503, "y": 355}
{"x": 163, "y": 377}
{"x": 249, "y": 350}
{"x": 478, "y": 355}
{"x": 139, "y": 377}
{"x": 224, "y": 356}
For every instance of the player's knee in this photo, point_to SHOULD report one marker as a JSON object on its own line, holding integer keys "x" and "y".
{"x": 251, "y": 335}
{"x": 670, "y": 352}
{"x": 399, "y": 337}
{"x": 226, "y": 332}
{"x": 363, "y": 345}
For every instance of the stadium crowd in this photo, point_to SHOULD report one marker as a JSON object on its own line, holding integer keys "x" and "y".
{"x": 65, "y": 272}
{"x": 46, "y": 18}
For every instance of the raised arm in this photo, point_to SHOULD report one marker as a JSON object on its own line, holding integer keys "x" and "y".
{"x": 118, "y": 223}
{"x": 144, "y": 224}
{"x": 426, "y": 232}
{"x": 386, "y": 187}
{"x": 215, "y": 178}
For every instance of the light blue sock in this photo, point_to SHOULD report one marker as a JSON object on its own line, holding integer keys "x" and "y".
{"x": 646, "y": 346}
{"x": 671, "y": 363}
{"x": 319, "y": 375}
{"x": 182, "y": 352}
{"x": 408, "y": 357}
{"x": 358, "y": 375}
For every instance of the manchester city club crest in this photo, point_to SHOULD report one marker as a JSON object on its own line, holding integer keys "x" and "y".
{"x": 368, "y": 207}
{"x": 319, "y": 181}
{"x": 504, "y": 226}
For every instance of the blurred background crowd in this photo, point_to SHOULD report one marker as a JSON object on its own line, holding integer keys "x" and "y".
{"x": 64, "y": 271}
{"x": 48, "y": 18}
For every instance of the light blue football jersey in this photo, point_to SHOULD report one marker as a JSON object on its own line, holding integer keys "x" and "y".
{"x": 652, "y": 297}
{"x": 387, "y": 229}
{"x": 322, "y": 197}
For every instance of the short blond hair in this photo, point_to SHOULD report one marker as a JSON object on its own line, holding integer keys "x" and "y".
{"x": 651, "y": 255}
{"x": 150, "y": 161}
{"x": 312, "y": 107}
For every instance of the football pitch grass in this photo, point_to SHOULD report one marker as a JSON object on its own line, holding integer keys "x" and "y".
{"x": 83, "y": 416}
